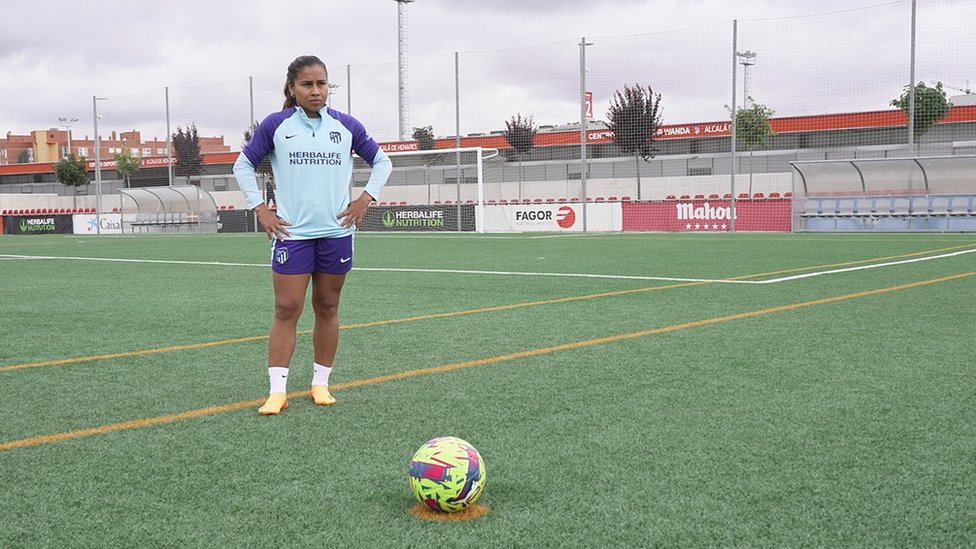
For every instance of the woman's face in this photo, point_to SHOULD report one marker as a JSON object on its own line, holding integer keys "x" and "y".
{"x": 311, "y": 89}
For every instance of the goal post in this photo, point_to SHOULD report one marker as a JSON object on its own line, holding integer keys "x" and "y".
{"x": 436, "y": 189}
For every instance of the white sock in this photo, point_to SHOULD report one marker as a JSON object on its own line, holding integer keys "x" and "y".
{"x": 279, "y": 379}
{"x": 320, "y": 374}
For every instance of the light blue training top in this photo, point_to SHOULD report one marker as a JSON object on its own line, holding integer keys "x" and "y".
{"x": 312, "y": 162}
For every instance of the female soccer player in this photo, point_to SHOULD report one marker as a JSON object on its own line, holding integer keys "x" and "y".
{"x": 311, "y": 149}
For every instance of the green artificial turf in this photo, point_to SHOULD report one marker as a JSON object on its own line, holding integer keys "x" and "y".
{"x": 831, "y": 410}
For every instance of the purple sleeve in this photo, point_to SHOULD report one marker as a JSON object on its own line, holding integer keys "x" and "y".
{"x": 262, "y": 142}
{"x": 362, "y": 143}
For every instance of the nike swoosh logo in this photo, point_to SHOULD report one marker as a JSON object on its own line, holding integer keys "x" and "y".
{"x": 290, "y": 136}
{"x": 346, "y": 260}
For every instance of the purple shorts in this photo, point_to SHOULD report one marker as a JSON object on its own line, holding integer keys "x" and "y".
{"x": 318, "y": 255}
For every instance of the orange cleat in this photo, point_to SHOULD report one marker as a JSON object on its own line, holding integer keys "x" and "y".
{"x": 322, "y": 396}
{"x": 274, "y": 405}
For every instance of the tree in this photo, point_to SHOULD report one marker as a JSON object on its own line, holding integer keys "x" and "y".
{"x": 634, "y": 119}
{"x": 71, "y": 171}
{"x": 186, "y": 146}
{"x": 753, "y": 130}
{"x": 264, "y": 168}
{"x": 126, "y": 165}
{"x": 930, "y": 105}
{"x": 520, "y": 134}
{"x": 424, "y": 137}
{"x": 24, "y": 157}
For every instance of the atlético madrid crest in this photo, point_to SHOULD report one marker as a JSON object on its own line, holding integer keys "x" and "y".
{"x": 281, "y": 255}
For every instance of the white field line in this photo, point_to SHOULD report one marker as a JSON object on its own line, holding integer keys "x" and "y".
{"x": 519, "y": 273}
{"x": 123, "y": 260}
{"x": 863, "y": 267}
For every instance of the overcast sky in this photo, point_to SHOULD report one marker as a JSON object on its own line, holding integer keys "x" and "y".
{"x": 55, "y": 56}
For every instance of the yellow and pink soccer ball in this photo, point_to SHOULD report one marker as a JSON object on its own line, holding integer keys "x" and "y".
{"x": 447, "y": 474}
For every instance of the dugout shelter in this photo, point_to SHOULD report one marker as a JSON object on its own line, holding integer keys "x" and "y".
{"x": 168, "y": 209}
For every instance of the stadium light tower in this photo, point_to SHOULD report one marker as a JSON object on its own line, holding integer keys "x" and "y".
{"x": 98, "y": 165}
{"x": 746, "y": 59}
{"x": 402, "y": 65}
{"x": 66, "y": 123}
{"x": 332, "y": 88}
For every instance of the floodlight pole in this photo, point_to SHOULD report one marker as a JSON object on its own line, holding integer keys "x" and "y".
{"x": 402, "y": 64}
{"x": 732, "y": 126}
{"x": 583, "y": 43}
{"x": 98, "y": 166}
{"x": 250, "y": 96}
{"x": 66, "y": 123}
{"x": 332, "y": 87}
{"x": 169, "y": 144}
{"x": 348, "y": 89}
{"x": 911, "y": 91}
{"x": 746, "y": 59}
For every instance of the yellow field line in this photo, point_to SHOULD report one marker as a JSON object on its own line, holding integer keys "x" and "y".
{"x": 204, "y": 345}
{"x": 170, "y": 418}
{"x": 371, "y": 324}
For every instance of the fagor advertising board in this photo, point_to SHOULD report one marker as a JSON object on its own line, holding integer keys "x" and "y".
{"x": 600, "y": 217}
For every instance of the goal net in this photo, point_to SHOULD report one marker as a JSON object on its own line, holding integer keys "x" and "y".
{"x": 433, "y": 190}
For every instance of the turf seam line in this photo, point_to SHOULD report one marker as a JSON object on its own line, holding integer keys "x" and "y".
{"x": 730, "y": 280}
{"x": 370, "y": 324}
{"x": 569, "y": 299}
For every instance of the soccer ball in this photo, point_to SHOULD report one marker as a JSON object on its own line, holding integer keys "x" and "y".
{"x": 447, "y": 474}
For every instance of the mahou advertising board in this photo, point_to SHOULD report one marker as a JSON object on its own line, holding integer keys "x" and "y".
{"x": 708, "y": 216}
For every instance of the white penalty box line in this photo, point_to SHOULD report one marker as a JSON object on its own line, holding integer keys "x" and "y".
{"x": 522, "y": 273}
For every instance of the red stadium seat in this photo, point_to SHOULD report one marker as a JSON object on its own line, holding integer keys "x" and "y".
{"x": 403, "y": 202}
{"x": 437, "y": 202}
{"x": 758, "y": 195}
{"x": 550, "y": 201}
{"x": 787, "y": 194}
{"x": 526, "y": 201}
{"x": 774, "y": 195}
{"x": 601, "y": 199}
{"x": 713, "y": 196}
{"x": 743, "y": 196}
{"x": 684, "y": 197}
{"x": 491, "y": 201}
{"x": 625, "y": 198}
{"x": 612, "y": 199}
{"x": 727, "y": 196}
{"x": 574, "y": 199}
{"x": 562, "y": 200}
{"x": 699, "y": 197}
{"x": 537, "y": 201}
